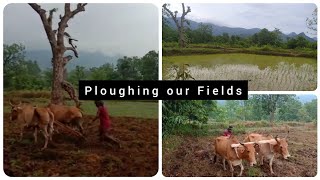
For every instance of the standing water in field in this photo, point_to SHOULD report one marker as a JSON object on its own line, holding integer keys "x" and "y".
{"x": 264, "y": 72}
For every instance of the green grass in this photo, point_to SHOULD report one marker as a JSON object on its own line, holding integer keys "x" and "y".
{"x": 254, "y": 172}
{"x": 193, "y": 130}
{"x": 262, "y": 61}
{"x": 213, "y": 128}
{"x": 140, "y": 109}
{"x": 125, "y": 108}
{"x": 116, "y": 108}
{"x": 171, "y": 142}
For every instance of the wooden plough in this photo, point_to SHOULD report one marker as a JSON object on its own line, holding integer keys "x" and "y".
{"x": 68, "y": 130}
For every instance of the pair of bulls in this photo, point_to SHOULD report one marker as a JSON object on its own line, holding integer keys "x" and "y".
{"x": 230, "y": 149}
{"x": 42, "y": 118}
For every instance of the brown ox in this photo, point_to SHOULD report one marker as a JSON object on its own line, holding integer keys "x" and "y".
{"x": 70, "y": 115}
{"x": 267, "y": 150}
{"x": 235, "y": 155}
{"x": 34, "y": 117}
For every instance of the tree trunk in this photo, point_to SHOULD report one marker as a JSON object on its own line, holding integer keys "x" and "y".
{"x": 58, "y": 69}
{"x": 56, "y": 40}
{"x": 181, "y": 39}
{"x": 180, "y": 26}
{"x": 271, "y": 117}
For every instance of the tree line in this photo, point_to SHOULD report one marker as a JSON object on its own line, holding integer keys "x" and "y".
{"x": 204, "y": 35}
{"x": 21, "y": 73}
{"x": 270, "y": 107}
{"x": 267, "y": 107}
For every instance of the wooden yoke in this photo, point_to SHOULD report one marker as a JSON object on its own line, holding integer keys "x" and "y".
{"x": 271, "y": 141}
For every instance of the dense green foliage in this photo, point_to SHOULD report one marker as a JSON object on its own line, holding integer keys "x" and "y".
{"x": 21, "y": 73}
{"x": 188, "y": 115}
{"x": 264, "y": 38}
{"x": 179, "y": 112}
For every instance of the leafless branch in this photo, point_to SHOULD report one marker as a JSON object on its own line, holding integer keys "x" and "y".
{"x": 74, "y": 51}
{"x": 66, "y": 17}
{"x": 46, "y": 23}
{"x": 184, "y": 13}
{"x": 71, "y": 91}
{"x": 67, "y": 8}
{"x": 51, "y": 15}
{"x": 66, "y": 59}
{"x": 173, "y": 16}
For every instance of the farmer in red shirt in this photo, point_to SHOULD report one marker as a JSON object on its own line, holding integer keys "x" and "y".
{"x": 228, "y": 132}
{"x": 105, "y": 123}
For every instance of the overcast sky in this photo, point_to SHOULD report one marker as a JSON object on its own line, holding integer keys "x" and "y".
{"x": 287, "y": 17}
{"x": 113, "y": 29}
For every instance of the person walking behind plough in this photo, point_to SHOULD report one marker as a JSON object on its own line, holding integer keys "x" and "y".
{"x": 105, "y": 123}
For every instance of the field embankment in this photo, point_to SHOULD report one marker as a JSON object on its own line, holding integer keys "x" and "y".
{"x": 171, "y": 49}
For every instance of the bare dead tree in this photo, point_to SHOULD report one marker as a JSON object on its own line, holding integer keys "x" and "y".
{"x": 180, "y": 25}
{"x": 56, "y": 40}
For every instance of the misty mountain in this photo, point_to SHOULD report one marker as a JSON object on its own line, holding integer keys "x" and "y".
{"x": 86, "y": 59}
{"x": 242, "y": 32}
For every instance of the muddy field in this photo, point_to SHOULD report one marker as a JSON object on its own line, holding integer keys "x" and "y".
{"x": 67, "y": 156}
{"x": 190, "y": 156}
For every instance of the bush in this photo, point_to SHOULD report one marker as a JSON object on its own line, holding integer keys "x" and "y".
{"x": 191, "y": 130}
{"x": 170, "y": 44}
{"x": 29, "y": 94}
{"x": 266, "y": 48}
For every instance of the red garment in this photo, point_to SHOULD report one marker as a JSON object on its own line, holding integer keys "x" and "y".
{"x": 105, "y": 122}
{"x": 227, "y": 133}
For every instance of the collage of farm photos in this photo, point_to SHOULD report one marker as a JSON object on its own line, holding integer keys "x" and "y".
{"x": 49, "y": 48}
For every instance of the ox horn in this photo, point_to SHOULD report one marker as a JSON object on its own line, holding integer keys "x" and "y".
{"x": 245, "y": 147}
{"x": 276, "y": 138}
{"x": 10, "y": 102}
{"x": 12, "y": 105}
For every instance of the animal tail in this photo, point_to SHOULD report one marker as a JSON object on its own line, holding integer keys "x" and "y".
{"x": 37, "y": 114}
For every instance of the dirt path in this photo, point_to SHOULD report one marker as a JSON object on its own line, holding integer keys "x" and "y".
{"x": 190, "y": 156}
{"x": 67, "y": 156}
